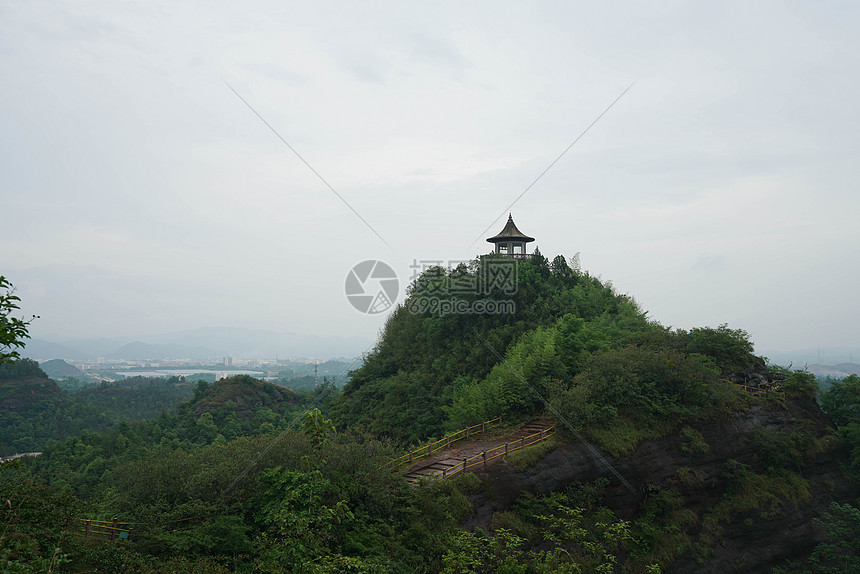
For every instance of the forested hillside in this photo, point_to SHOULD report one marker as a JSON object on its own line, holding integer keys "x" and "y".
{"x": 570, "y": 336}
{"x": 663, "y": 461}
{"x": 36, "y": 411}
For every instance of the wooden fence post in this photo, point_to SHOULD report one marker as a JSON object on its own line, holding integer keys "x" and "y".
{"x": 113, "y": 530}
{"x": 447, "y": 441}
{"x": 506, "y": 448}
{"x": 444, "y": 473}
{"x": 485, "y": 457}
{"x": 87, "y": 527}
{"x": 410, "y": 457}
{"x": 429, "y": 449}
{"x": 541, "y": 435}
{"x": 482, "y": 426}
{"x": 467, "y": 433}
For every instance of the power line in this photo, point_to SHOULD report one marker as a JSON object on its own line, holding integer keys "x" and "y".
{"x": 315, "y": 172}
{"x": 555, "y": 161}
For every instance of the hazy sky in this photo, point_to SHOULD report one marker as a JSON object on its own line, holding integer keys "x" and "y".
{"x": 140, "y": 195}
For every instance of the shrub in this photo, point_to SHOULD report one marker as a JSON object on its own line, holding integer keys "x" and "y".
{"x": 692, "y": 442}
{"x": 730, "y": 348}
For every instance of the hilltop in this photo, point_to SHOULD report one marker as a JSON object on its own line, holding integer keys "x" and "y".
{"x": 430, "y": 372}
{"x": 243, "y": 393}
{"x": 58, "y": 369}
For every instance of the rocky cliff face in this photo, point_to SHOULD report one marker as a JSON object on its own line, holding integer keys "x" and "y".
{"x": 747, "y": 539}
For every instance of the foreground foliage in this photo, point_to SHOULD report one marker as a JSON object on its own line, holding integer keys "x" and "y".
{"x": 13, "y": 330}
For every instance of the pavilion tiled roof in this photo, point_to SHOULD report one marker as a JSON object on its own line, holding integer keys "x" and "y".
{"x": 510, "y": 233}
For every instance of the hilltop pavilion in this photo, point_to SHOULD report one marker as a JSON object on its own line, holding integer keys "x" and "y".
{"x": 511, "y": 241}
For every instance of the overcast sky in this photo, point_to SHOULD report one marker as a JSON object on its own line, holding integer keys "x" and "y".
{"x": 141, "y": 195}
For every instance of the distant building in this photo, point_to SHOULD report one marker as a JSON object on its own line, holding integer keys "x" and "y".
{"x": 511, "y": 241}
{"x": 228, "y": 361}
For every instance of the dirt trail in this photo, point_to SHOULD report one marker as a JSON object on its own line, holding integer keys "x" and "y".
{"x": 446, "y": 460}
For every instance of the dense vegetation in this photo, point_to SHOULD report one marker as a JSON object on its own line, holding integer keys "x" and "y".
{"x": 842, "y": 403}
{"x": 840, "y": 552}
{"x": 37, "y": 411}
{"x": 247, "y": 476}
{"x": 572, "y": 340}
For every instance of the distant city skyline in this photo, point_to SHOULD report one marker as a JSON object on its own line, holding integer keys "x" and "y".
{"x": 90, "y": 350}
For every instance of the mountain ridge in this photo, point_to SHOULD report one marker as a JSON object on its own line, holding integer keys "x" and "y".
{"x": 204, "y": 343}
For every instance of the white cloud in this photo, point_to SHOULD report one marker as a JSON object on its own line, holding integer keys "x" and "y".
{"x": 720, "y": 188}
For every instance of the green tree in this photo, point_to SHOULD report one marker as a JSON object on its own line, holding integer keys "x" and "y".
{"x": 842, "y": 401}
{"x": 35, "y": 521}
{"x": 477, "y": 553}
{"x": 840, "y": 552}
{"x": 560, "y": 268}
{"x": 592, "y": 547}
{"x": 304, "y": 530}
{"x": 206, "y": 427}
{"x": 13, "y": 330}
{"x": 730, "y": 348}
{"x": 317, "y": 428}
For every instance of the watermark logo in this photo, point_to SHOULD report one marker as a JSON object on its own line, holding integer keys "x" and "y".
{"x": 464, "y": 289}
{"x": 456, "y": 306}
{"x": 458, "y": 288}
{"x": 494, "y": 275}
{"x": 372, "y": 286}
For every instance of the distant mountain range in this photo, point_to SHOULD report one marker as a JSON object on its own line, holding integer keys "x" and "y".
{"x": 206, "y": 343}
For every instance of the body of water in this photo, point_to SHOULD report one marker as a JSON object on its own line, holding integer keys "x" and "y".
{"x": 187, "y": 372}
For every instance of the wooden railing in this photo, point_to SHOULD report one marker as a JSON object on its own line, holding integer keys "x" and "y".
{"x": 755, "y": 391}
{"x": 115, "y": 529}
{"x": 482, "y": 458}
{"x": 442, "y": 443}
{"x": 103, "y": 528}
